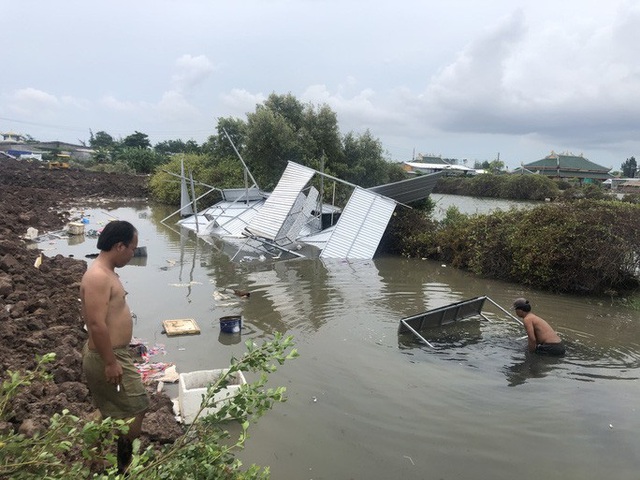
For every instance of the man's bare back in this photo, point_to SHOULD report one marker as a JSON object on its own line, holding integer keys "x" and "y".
{"x": 540, "y": 336}
{"x": 542, "y": 331}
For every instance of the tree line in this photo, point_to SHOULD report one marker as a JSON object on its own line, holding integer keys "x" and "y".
{"x": 281, "y": 129}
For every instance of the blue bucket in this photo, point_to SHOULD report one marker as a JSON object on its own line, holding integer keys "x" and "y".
{"x": 231, "y": 324}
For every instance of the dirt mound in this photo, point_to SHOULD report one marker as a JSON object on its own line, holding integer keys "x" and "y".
{"x": 39, "y": 307}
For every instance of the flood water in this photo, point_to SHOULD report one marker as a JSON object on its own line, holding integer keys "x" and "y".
{"x": 366, "y": 403}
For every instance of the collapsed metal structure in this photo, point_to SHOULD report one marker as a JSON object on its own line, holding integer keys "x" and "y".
{"x": 441, "y": 316}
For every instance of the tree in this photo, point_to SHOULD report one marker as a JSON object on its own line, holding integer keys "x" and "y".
{"x": 219, "y": 145}
{"x": 270, "y": 143}
{"x": 177, "y": 146}
{"x": 289, "y": 107}
{"x": 320, "y": 138}
{"x": 141, "y": 160}
{"x": 629, "y": 167}
{"x": 283, "y": 129}
{"x": 496, "y": 166}
{"x": 101, "y": 140}
{"x": 137, "y": 139}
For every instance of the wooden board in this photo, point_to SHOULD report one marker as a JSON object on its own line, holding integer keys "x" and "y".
{"x": 181, "y": 326}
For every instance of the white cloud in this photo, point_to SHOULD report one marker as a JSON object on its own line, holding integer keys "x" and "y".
{"x": 240, "y": 101}
{"x": 110, "y": 102}
{"x": 192, "y": 70}
{"x": 31, "y": 101}
{"x": 175, "y": 107}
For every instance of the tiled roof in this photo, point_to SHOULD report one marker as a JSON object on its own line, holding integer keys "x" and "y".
{"x": 566, "y": 163}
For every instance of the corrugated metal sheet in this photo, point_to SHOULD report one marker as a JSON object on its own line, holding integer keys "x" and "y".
{"x": 300, "y": 215}
{"x": 360, "y": 227}
{"x": 277, "y": 207}
{"x": 411, "y": 190}
{"x": 223, "y": 218}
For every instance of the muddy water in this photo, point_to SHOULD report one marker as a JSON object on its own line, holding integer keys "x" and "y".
{"x": 366, "y": 403}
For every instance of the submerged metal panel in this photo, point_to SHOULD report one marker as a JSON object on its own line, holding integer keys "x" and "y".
{"x": 443, "y": 315}
{"x": 360, "y": 227}
{"x": 411, "y": 190}
{"x": 277, "y": 207}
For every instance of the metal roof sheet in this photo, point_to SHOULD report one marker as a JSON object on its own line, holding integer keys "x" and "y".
{"x": 300, "y": 215}
{"x": 277, "y": 207}
{"x": 411, "y": 190}
{"x": 360, "y": 227}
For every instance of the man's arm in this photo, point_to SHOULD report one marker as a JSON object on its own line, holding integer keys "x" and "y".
{"x": 96, "y": 297}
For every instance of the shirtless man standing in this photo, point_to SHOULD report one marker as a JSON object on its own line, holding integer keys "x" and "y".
{"x": 112, "y": 378}
{"x": 541, "y": 337}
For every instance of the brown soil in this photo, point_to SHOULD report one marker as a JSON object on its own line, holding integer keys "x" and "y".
{"x": 39, "y": 307}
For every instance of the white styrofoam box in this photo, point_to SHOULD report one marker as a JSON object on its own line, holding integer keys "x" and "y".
{"x": 76, "y": 228}
{"x": 193, "y": 385}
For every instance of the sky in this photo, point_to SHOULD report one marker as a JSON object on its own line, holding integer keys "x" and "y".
{"x": 511, "y": 80}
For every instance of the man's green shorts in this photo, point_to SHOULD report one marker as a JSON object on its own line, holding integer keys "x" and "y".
{"x": 132, "y": 398}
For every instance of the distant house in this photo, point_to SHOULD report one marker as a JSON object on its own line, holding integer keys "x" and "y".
{"x": 431, "y": 164}
{"x": 623, "y": 185}
{"x": 567, "y": 166}
{"x": 11, "y": 137}
{"x": 34, "y": 150}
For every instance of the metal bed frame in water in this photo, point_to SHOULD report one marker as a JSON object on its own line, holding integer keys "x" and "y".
{"x": 451, "y": 313}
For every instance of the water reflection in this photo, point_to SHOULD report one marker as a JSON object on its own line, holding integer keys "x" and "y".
{"x": 75, "y": 240}
{"x": 533, "y": 366}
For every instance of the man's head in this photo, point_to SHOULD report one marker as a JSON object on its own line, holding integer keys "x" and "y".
{"x": 119, "y": 238}
{"x": 521, "y": 304}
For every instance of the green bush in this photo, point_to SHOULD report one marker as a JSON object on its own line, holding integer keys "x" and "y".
{"x": 485, "y": 185}
{"x": 587, "y": 191}
{"x": 528, "y": 187}
{"x": 514, "y": 186}
{"x": 403, "y": 222}
{"x": 164, "y": 184}
{"x": 631, "y": 198}
{"x": 589, "y": 246}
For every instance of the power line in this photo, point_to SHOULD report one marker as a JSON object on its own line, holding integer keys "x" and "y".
{"x": 210, "y": 131}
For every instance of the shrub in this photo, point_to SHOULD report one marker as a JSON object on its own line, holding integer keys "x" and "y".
{"x": 528, "y": 187}
{"x": 588, "y": 246}
{"x": 517, "y": 187}
{"x": 206, "y": 173}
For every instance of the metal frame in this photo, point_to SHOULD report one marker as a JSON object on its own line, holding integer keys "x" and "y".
{"x": 448, "y": 314}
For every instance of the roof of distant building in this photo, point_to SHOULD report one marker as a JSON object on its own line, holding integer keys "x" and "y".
{"x": 437, "y": 166}
{"x": 432, "y": 159}
{"x": 565, "y": 161}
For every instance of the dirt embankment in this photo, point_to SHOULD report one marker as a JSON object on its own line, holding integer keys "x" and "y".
{"x": 39, "y": 307}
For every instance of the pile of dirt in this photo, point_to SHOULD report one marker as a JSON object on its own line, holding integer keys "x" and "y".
{"x": 39, "y": 307}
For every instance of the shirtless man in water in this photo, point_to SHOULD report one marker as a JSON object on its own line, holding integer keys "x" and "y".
{"x": 112, "y": 378}
{"x": 541, "y": 337}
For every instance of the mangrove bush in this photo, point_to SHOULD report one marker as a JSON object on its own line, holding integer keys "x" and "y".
{"x": 589, "y": 246}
